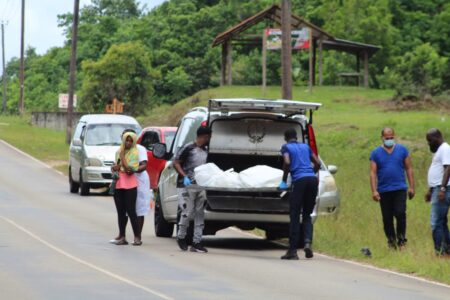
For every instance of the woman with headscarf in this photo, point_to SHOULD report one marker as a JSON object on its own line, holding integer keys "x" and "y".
{"x": 127, "y": 162}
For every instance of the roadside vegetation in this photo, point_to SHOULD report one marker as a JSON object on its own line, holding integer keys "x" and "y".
{"x": 347, "y": 128}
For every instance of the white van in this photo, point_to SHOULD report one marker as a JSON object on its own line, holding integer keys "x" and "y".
{"x": 92, "y": 150}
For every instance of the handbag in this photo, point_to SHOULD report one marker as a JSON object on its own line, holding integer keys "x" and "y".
{"x": 112, "y": 187}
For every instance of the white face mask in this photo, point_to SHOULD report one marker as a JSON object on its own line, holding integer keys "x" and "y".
{"x": 389, "y": 143}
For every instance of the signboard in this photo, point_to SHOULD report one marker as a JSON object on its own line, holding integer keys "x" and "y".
{"x": 64, "y": 101}
{"x": 300, "y": 39}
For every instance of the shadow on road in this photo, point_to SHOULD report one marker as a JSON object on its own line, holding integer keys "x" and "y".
{"x": 251, "y": 244}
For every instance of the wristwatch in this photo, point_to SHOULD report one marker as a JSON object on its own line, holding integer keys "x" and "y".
{"x": 443, "y": 189}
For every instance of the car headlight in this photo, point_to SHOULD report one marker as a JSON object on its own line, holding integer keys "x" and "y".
{"x": 329, "y": 184}
{"x": 93, "y": 162}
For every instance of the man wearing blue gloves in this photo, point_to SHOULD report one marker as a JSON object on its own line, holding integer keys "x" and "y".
{"x": 191, "y": 202}
{"x": 302, "y": 163}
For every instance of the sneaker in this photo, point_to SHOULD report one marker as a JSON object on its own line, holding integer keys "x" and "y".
{"x": 182, "y": 244}
{"x": 290, "y": 255}
{"x": 308, "y": 251}
{"x": 198, "y": 247}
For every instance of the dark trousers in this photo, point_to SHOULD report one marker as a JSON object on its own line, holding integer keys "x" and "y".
{"x": 302, "y": 200}
{"x": 393, "y": 205}
{"x": 125, "y": 200}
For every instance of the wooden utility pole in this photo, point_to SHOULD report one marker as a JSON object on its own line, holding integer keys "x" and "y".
{"x": 264, "y": 62}
{"x": 22, "y": 71}
{"x": 4, "y": 68}
{"x": 286, "y": 50}
{"x": 73, "y": 69}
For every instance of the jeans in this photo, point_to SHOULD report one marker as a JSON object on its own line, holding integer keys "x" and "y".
{"x": 192, "y": 205}
{"x": 302, "y": 199}
{"x": 393, "y": 205}
{"x": 439, "y": 220}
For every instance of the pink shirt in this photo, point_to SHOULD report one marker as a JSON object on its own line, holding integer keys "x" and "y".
{"x": 126, "y": 181}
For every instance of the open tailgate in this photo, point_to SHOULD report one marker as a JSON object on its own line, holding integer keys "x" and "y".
{"x": 287, "y": 107}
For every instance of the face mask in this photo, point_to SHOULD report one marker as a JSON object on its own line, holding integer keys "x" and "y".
{"x": 389, "y": 143}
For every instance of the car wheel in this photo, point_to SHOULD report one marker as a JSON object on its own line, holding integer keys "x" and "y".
{"x": 162, "y": 227}
{"x": 84, "y": 187}
{"x": 74, "y": 186}
{"x": 272, "y": 235}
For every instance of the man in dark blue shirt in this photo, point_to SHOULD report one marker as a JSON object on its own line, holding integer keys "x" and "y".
{"x": 298, "y": 159}
{"x": 388, "y": 164}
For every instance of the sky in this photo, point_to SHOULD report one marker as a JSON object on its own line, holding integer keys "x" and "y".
{"x": 41, "y": 26}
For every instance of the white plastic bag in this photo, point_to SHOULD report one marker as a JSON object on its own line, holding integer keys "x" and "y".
{"x": 260, "y": 177}
{"x": 205, "y": 174}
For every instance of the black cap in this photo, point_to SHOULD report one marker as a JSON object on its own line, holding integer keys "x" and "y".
{"x": 204, "y": 130}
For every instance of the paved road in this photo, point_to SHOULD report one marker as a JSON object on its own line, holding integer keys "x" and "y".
{"x": 53, "y": 245}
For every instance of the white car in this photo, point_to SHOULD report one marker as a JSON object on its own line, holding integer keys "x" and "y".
{"x": 92, "y": 150}
{"x": 245, "y": 133}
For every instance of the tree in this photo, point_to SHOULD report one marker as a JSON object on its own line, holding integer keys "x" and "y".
{"x": 418, "y": 72}
{"x": 125, "y": 73}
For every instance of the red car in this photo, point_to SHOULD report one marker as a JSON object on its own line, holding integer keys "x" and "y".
{"x": 148, "y": 137}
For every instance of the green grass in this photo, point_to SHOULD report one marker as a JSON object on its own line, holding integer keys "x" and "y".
{"x": 347, "y": 128}
{"x": 44, "y": 144}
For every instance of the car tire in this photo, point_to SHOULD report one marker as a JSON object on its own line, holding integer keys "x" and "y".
{"x": 74, "y": 186}
{"x": 84, "y": 187}
{"x": 162, "y": 227}
{"x": 272, "y": 235}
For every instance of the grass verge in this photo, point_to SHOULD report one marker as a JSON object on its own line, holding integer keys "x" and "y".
{"x": 44, "y": 144}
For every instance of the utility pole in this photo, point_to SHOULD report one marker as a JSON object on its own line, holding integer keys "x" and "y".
{"x": 286, "y": 50}
{"x": 73, "y": 69}
{"x": 22, "y": 75}
{"x": 4, "y": 68}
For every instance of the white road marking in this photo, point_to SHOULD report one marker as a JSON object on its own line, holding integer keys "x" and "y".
{"x": 352, "y": 262}
{"x": 85, "y": 263}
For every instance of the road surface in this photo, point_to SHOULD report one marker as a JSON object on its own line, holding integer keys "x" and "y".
{"x": 54, "y": 245}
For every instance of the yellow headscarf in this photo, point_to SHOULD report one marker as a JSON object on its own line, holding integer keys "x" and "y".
{"x": 131, "y": 155}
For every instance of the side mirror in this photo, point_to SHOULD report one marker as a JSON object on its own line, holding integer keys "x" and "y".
{"x": 77, "y": 142}
{"x": 332, "y": 169}
{"x": 159, "y": 150}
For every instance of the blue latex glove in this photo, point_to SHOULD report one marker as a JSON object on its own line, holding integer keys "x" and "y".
{"x": 186, "y": 181}
{"x": 283, "y": 186}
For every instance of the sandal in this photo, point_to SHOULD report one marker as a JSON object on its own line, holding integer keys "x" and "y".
{"x": 137, "y": 243}
{"x": 121, "y": 242}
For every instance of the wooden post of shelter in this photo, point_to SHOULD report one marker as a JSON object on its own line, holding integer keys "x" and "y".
{"x": 314, "y": 59}
{"x": 366, "y": 69}
{"x": 358, "y": 68}
{"x": 264, "y": 62}
{"x": 311, "y": 54}
{"x": 223, "y": 64}
{"x": 320, "y": 60}
{"x": 229, "y": 60}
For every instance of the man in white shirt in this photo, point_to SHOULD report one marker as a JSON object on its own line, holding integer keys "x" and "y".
{"x": 439, "y": 192}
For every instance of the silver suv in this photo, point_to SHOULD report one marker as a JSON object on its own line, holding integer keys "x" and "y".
{"x": 246, "y": 133}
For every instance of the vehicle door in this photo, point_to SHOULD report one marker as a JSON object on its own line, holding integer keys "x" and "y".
{"x": 76, "y": 149}
{"x": 168, "y": 179}
{"x": 154, "y": 165}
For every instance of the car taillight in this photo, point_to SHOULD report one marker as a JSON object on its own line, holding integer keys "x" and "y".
{"x": 312, "y": 140}
{"x": 204, "y": 123}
